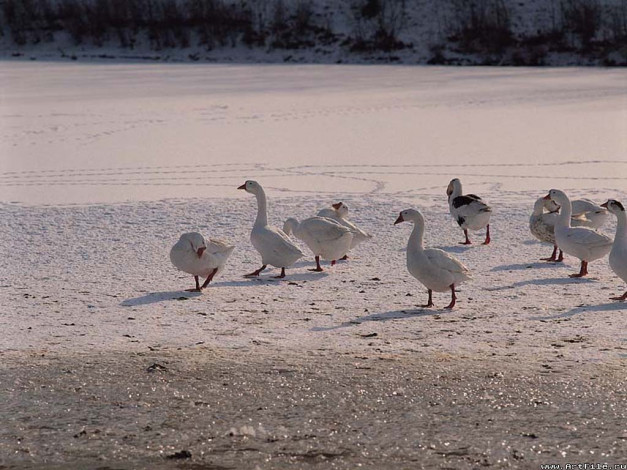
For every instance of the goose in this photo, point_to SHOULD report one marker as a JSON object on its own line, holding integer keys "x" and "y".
{"x": 326, "y": 238}
{"x": 618, "y": 255}
{"x": 274, "y": 246}
{"x": 542, "y": 226}
{"x": 585, "y": 213}
{"x": 469, "y": 211}
{"x": 339, "y": 212}
{"x": 434, "y": 268}
{"x": 198, "y": 256}
{"x": 581, "y": 242}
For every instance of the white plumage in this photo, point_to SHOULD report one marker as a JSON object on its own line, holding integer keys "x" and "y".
{"x": 542, "y": 226}
{"x": 585, "y": 213}
{"x": 326, "y": 238}
{"x": 469, "y": 211}
{"x": 339, "y": 213}
{"x": 618, "y": 255}
{"x": 581, "y": 242}
{"x": 434, "y": 268}
{"x": 274, "y": 246}
{"x": 198, "y": 256}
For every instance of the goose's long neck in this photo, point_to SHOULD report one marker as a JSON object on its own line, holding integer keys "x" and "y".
{"x": 415, "y": 239}
{"x": 621, "y": 227}
{"x": 566, "y": 211}
{"x": 538, "y": 208}
{"x": 292, "y": 225}
{"x": 262, "y": 209}
{"x": 457, "y": 191}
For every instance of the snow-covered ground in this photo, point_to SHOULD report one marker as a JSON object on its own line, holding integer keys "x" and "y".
{"x": 104, "y": 166}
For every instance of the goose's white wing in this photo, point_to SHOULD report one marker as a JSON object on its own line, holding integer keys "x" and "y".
{"x": 359, "y": 233}
{"x": 587, "y": 237}
{"x": 328, "y": 213}
{"x": 215, "y": 246}
{"x": 275, "y": 240}
{"x": 581, "y": 206}
{"x": 324, "y": 230}
{"x": 443, "y": 260}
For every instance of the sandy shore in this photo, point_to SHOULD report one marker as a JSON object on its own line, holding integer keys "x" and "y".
{"x": 218, "y": 410}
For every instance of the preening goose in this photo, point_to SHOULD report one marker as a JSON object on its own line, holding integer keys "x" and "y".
{"x": 542, "y": 226}
{"x": 469, "y": 211}
{"x": 585, "y": 213}
{"x": 581, "y": 242}
{"x": 618, "y": 255}
{"x": 198, "y": 256}
{"x": 339, "y": 213}
{"x": 434, "y": 268}
{"x": 274, "y": 246}
{"x": 326, "y": 238}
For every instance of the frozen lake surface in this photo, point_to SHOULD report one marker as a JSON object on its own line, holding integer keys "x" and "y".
{"x": 80, "y": 133}
{"x": 103, "y": 166}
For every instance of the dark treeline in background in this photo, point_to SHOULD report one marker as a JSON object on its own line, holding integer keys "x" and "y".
{"x": 589, "y": 28}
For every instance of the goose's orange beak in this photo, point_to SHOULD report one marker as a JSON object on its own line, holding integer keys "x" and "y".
{"x": 337, "y": 205}
{"x": 399, "y": 220}
{"x": 605, "y": 204}
{"x": 200, "y": 251}
{"x": 547, "y": 197}
{"x": 242, "y": 186}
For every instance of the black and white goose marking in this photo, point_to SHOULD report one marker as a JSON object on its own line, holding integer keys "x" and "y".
{"x": 468, "y": 210}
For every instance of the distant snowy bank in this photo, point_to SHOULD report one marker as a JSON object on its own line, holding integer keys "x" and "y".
{"x": 447, "y": 32}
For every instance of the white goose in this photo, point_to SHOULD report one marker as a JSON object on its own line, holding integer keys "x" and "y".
{"x": 585, "y": 213}
{"x": 274, "y": 246}
{"x": 434, "y": 268}
{"x": 581, "y": 242}
{"x": 195, "y": 255}
{"x": 469, "y": 211}
{"x": 542, "y": 226}
{"x": 618, "y": 255}
{"x": 326, "y": 238}
{"x": 339, "y": 212}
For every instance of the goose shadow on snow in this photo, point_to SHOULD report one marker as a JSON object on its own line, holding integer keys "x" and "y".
{"x": 154, "y": 297}
{"x": 607, "y": 307}
{"x": 559, "y": 281}
{"x": 534, "y": 265}
{"x": 385, "y": 316}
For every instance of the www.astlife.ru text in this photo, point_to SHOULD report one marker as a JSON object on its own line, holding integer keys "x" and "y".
{"x": 584, "y": 466}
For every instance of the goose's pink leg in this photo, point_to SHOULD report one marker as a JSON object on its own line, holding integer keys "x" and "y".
{"x": 583, "y": 271}
{"x": 197, "y": 289}
{"x": 430, "y": 302}
{"x": 467, "y": 242}
{"x": 318, "y": 268}
{"x": 209, "y": 278}
{"x": 256, "y": 273}
{"x": 487, "y": 235}
{"x": 553, "y": 256}
{"x": 282, "y": 275}
{"x": 453, "y": 298}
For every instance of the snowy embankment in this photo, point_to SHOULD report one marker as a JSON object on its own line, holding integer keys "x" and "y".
{"x": 478, "y": 32}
